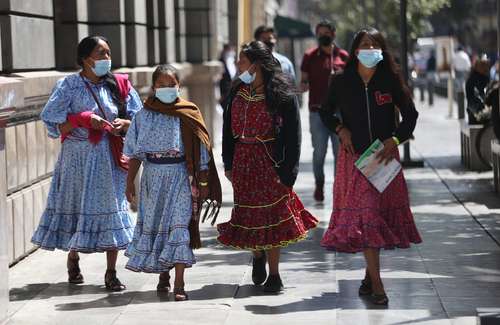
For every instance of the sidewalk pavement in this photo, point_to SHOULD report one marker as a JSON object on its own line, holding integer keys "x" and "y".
{"x": 444, "y": 280}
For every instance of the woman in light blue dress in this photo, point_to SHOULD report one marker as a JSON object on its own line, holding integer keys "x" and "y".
{"x": 165, "y": 206}
{"x": 86, "y": 208}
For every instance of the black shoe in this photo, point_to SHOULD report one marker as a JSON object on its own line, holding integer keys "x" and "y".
{"x": 365, "y": 288}
{"x": 273, "y": 284}
{"x": 319, "y": 195}
{"x": 259, "y": 273}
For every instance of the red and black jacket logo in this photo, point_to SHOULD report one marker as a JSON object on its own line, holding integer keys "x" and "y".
{"x": 383, "y": 99}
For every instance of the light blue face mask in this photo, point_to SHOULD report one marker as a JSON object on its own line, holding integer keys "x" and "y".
{"x": 246, "y": 77}
{"x": 101, "y": 67}
{"x": 370, "y": 58}
{"x": 167, "y": 95}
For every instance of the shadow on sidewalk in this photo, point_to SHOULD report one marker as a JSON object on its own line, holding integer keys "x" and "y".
{"x": 48, "y": 290}
{"x": 207, "y": 292}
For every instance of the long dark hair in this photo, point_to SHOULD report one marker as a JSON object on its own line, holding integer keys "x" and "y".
{"x": 388, "y": 64}
{"x": 279, "y": 89}
{"x": 85, "y": 48}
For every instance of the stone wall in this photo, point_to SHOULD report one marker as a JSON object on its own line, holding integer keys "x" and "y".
{"x": 141, "y": 32}
{"x": 11, "y": 95}
{"x": 31, "y": 21}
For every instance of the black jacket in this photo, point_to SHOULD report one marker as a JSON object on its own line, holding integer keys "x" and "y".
{"x": 492, "y": 100}
{"x": 475, "y": 90}
{"x": 286, "y": 147}
{"x": 369, "y": 112}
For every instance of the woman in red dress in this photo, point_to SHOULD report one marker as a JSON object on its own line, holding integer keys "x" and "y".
{"x": 261, "y": 149}
{"x": 366, "y": 95}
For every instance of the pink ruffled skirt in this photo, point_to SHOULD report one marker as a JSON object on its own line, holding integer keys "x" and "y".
{"x": 364, "y": 218}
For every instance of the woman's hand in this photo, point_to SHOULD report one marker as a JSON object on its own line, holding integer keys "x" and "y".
{"x": 120, "y": 126}
{"x": 387, "y": 154}
{"x": 130, "y": 192}
{"x": 345, "y": 140}
{"x": 229, "y": 175}
{"x": 97, "y": 122}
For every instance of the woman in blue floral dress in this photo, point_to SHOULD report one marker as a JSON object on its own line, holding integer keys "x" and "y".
{"x": 86, "y": 208}
{"x": 169, "y": 138}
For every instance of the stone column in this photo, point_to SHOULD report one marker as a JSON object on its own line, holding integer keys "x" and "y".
{"x": 180, "y": 31}
{"x": 167, "y": 31}
{"x": 201, "y": 86}
{"x": 233, "y": 22}
{"x": 71, "y": 25}
{"x": 11, "y": 95}
{"x": 107, "y": 18}
{"x": 205, "y": 31}
{"x": 136, "y": 28}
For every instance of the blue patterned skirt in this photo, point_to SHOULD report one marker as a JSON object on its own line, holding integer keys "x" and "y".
{"x": 86, "y": 208}
{"x": 161, "y": 237}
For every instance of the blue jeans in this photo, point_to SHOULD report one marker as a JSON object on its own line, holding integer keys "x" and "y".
{"x": 320, "y": 135}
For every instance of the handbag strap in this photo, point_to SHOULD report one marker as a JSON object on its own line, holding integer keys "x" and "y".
{"x": 95, "y": 97}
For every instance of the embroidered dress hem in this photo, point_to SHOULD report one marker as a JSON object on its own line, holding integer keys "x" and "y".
{"x": 84, "y": 233}
{"x": 281, "y": 244}
{"x": 242, "y": 231}
{"x": 155, "y": 253}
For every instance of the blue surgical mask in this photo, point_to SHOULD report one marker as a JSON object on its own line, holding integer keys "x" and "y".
{"x": 370, "y": 58}
{"x": 101, "y": 67}
{"x": 246, "y": 77}
{"x": 167, "y": 95}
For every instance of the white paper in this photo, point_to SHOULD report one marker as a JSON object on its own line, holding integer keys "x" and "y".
{"x": 378, "y": 173}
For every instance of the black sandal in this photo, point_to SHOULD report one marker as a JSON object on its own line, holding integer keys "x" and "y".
{"x": 163, "y": 283}
{"x": 365, "y": 288}
{"x": 379, "y": 299}
{"x": 112, "y": 282}
{"x": 74, "y": 274}
{"x": 180, "y": 294}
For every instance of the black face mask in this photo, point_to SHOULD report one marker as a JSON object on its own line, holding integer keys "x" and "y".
{"x": 325, "y": 40}
{"x": 270, "y": 45}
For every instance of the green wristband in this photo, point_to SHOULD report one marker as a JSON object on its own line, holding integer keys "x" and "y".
{"x": 396, "y": 140}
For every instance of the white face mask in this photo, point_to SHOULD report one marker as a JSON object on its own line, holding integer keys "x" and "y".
{"x": 101, "y": 67}
{"x": 370, "y": 58}
{"x": 167, "y": 95}
{"x": 247, "y": 77}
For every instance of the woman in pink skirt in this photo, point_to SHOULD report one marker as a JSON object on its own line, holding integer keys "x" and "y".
{"x": 361, "y": 107}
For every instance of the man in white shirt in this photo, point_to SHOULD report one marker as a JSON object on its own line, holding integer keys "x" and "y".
{"x": 462, "y": 65}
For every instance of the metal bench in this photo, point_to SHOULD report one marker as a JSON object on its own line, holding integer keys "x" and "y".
{"x": 476, "y": 146}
